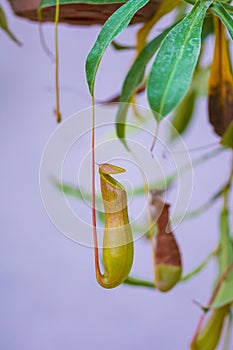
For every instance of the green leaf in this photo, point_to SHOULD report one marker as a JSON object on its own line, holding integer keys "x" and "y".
{"x": 199, "y": 268}
{"x": 133, "y": 79}
{"x": 205, "y": 206}
{"x": 226, "y": 249}
{"x": 183, "y": 115}
{"x": 200, "y": 81}
{"x": 113, "y": 26}
{"x": 225, "y": 258}
{"x": 228, "y": 7}
{"x": 227, "y": 139}
{"x": 218, "y": 9}
{"x": 208, "y": 28}
{"x": 173, "y": 68}
{"x": 135, "y": 281}
{"x": 73, "y": 192}
{"x": 4, "y": 26}
{"x": 47, "y": 3}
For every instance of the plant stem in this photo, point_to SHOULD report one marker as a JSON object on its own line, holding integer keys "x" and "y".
{"x": 155, "y": 139}
{"x": 227, "y": 188}
{"x": 57, "y": 111}
{"x": 96, "y": 252}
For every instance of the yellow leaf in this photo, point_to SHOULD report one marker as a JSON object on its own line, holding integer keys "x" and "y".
{"x": 220, "y": 87}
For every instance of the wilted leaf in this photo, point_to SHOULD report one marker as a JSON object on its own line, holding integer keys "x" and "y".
{"x": 220, "y": 87}
{"x": 167, "y": 258}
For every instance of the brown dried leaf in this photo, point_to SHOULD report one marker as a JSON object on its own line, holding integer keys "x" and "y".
{"x": 167, "y": 250}
{"x": 220, "y": 87}
{"x": 167, "y": 258}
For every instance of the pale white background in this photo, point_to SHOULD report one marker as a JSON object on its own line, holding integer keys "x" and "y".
{"x": 49, "y": 298}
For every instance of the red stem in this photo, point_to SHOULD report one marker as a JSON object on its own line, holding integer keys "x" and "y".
{"x": 97, "y": 267}
{"x": 154, "y": 140}
{"x": 215, "y": 292}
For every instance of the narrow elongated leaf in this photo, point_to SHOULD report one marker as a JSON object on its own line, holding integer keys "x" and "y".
{"x": 114, "y": 25}
{"x": 228, "y": 7}
{"x": 208, "y": 28}
{"x": 175, "y": 62}
{"x": 225, "y": 258}
{"x": 183, "y": 114}
{"x": 137, "y": 71}
{"x": 218, "y": 9}
{"x": 73, "y": 192}
{"x": 165, "y": 7}
{"x": 220, "y": 89}
{"x": 226, "y": 248}
{"x": 200, "y": 81}
{"x": 133, "y": 79}
{"x": 199, "y": 268}
{"x": 4, "y": 26}
{"x": 47, "y": 3}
